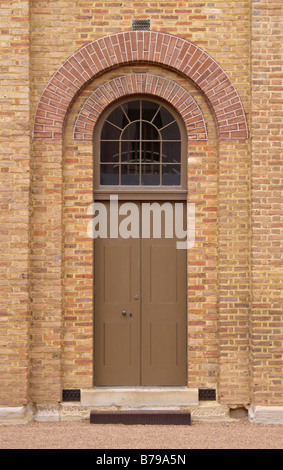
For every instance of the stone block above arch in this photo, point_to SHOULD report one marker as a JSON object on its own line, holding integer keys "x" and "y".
{"x": 134, "y": 84}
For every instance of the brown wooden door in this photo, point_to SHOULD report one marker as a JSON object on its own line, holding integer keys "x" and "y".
{"x": 116, "y": 312}
{"x": 140, "y": 311}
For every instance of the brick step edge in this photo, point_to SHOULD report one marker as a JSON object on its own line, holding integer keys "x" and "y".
{"x": 141, "y": 417}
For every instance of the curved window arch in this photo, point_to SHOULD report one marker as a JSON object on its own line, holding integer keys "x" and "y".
{"x": 141, "y": 144}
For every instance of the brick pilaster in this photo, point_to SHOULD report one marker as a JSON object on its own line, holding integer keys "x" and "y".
{"x": 14, "y": 190}
{"x": 267, "y": 203}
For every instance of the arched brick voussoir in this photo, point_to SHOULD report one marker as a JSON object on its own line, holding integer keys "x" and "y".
{"x": 140, "y": 46}
{"x": 148, "y": 84}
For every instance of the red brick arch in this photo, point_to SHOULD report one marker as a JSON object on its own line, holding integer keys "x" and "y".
{"x": 146, "y": 84}
{"x": 140, "y": 46}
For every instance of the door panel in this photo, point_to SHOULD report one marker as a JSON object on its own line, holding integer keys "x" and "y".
{"x": 117, "y": 336}
{"x": 117, "y": 272}
{"x": 163, "y": 279}
{"x": 164, "y": 352}
{"x": 117, "y": 356}
{"x": 164, "y": 331}
{"x": 164, "y": 325}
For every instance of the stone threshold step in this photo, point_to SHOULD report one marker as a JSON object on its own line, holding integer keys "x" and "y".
{"x": 126, "y": 398}
{"x": 141, "y": 417}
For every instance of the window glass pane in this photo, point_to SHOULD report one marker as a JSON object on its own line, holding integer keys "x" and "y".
{"x": 132, "y": 109}
{"x": 171, "y": 175}
{"x": 149, "y": 110}
{"x": 130, "y": 174}
{"x": 110, "y": 132}
{"x": 163, "y": 118}
{"x": 150, "y": 152}
{"x": 130, "y": 151}
{"x": 132, "y": 156}
{"x": 171, "y": 132}
{"x": 132, "y": 131}
{"x": 118, "y": 118}
{"x": 109, "y": 151}
{"x": 109, "y": 174}
{"x": 150, "y": 175}
{"x": 149, "y": 132}
{"x": 171, "y": 152}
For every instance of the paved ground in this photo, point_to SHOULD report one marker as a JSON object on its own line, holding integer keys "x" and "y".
{"x": 240, "y": 434}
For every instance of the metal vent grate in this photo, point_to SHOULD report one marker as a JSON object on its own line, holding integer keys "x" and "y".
{"x": 71, "y": 395}
{"x": 207, "y": 394}
{"x": 141, "y": 25}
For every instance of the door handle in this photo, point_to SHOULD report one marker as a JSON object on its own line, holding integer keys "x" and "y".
{"x": 124, "y": 312}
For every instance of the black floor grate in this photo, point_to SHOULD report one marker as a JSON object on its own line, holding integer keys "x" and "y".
{"x": 206, "y": 394}
{"x": 141, "y": 417}
{"x": 71, "y": 395}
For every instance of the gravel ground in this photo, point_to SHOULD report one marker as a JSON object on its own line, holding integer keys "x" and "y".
{"x": 239, "y": 434}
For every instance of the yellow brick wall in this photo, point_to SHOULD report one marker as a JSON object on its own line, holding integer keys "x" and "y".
{"x": 267, "y": 214}
{"x": 14, "y": 191}
{"x": 235, "y": 333}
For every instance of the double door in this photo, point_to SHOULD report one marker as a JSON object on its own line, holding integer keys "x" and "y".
{"x": 140, "y": 310}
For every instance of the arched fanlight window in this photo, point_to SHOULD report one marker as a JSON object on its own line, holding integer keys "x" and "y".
{"x": 140, "y": 144}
